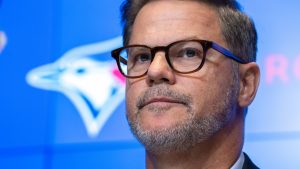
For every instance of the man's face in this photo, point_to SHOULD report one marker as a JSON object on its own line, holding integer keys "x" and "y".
{"x": 173, "y": 111}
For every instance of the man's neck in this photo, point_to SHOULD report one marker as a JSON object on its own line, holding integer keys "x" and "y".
{"x": 220, "y": 151}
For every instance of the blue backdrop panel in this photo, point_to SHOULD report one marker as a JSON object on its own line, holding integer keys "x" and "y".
{"x": 26, "y": 161}
{"x": 277, "y": 102}
{"x": 23, "y": 109}
{"x": 95, "y": 159}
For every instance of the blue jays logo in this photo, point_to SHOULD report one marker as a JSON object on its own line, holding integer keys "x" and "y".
{"x": 95, "y": 87}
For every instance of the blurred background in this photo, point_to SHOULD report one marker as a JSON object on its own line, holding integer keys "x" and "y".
{"x": 62, "y": 98}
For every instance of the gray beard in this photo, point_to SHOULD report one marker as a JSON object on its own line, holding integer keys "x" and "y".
{"x": 184, "y": 135}
{"x": 181, "y": 137}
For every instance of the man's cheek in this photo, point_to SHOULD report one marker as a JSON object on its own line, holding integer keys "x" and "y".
{"x": 128, "y": 84}
{"x": 131, "y": 99}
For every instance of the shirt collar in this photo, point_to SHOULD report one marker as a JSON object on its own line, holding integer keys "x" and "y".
{"x": 239, "y": 163}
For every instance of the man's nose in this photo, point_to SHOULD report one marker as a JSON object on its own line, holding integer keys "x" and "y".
{"x": 160, "y": 71}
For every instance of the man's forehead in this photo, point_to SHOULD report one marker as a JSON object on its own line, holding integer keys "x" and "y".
{"x": 176, "y": 9}
{"x": 169, "y": 17}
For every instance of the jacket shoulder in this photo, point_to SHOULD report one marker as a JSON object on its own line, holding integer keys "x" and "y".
{"x": 248, "y": 164}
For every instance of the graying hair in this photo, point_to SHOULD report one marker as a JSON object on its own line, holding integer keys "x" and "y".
{"x": 237, "y": 28}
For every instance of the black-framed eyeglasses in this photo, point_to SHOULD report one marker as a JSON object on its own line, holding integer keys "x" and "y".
{"x": 184, "y": 56}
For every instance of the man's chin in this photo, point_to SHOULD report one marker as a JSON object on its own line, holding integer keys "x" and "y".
{"x": 159, "y": 125}
{"x": 163, "y": 137}
{"x": 148, "y": 120}
{"x": 175, "y": 135}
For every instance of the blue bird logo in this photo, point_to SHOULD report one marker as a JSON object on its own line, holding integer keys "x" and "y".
{"x": 95, "y": 87}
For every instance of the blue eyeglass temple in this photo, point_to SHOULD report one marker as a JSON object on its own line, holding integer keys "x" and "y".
{"x": 227, "y": 53}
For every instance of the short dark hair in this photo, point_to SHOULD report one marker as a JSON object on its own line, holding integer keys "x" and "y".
{"x": 237, "y": 28}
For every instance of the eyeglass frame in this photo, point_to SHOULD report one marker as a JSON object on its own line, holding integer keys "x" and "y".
{"x": 205, "y": 44}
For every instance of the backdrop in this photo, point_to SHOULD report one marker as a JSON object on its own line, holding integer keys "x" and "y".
{"x": 62, "y": 98}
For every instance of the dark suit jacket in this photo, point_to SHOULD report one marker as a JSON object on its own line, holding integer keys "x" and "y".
{"x": 248, "y": 164}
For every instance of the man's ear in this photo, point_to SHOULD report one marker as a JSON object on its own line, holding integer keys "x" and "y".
{"x": 249, "y": 81}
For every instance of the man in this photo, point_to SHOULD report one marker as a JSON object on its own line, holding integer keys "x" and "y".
{"x": 191, "y": 74}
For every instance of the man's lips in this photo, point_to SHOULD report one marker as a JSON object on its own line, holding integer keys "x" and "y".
{"x": 161, "y": 100}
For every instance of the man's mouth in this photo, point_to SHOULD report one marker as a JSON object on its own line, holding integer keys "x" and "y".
{"x": 160, "y": 101}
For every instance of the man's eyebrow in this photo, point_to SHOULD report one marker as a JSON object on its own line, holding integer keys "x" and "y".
{"x": 191, "y": 37}
{"x": 194, "y": 37}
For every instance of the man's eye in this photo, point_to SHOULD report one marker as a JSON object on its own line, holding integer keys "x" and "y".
{"x": 188, "y": 53}
{"x": 143, "y": 58}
